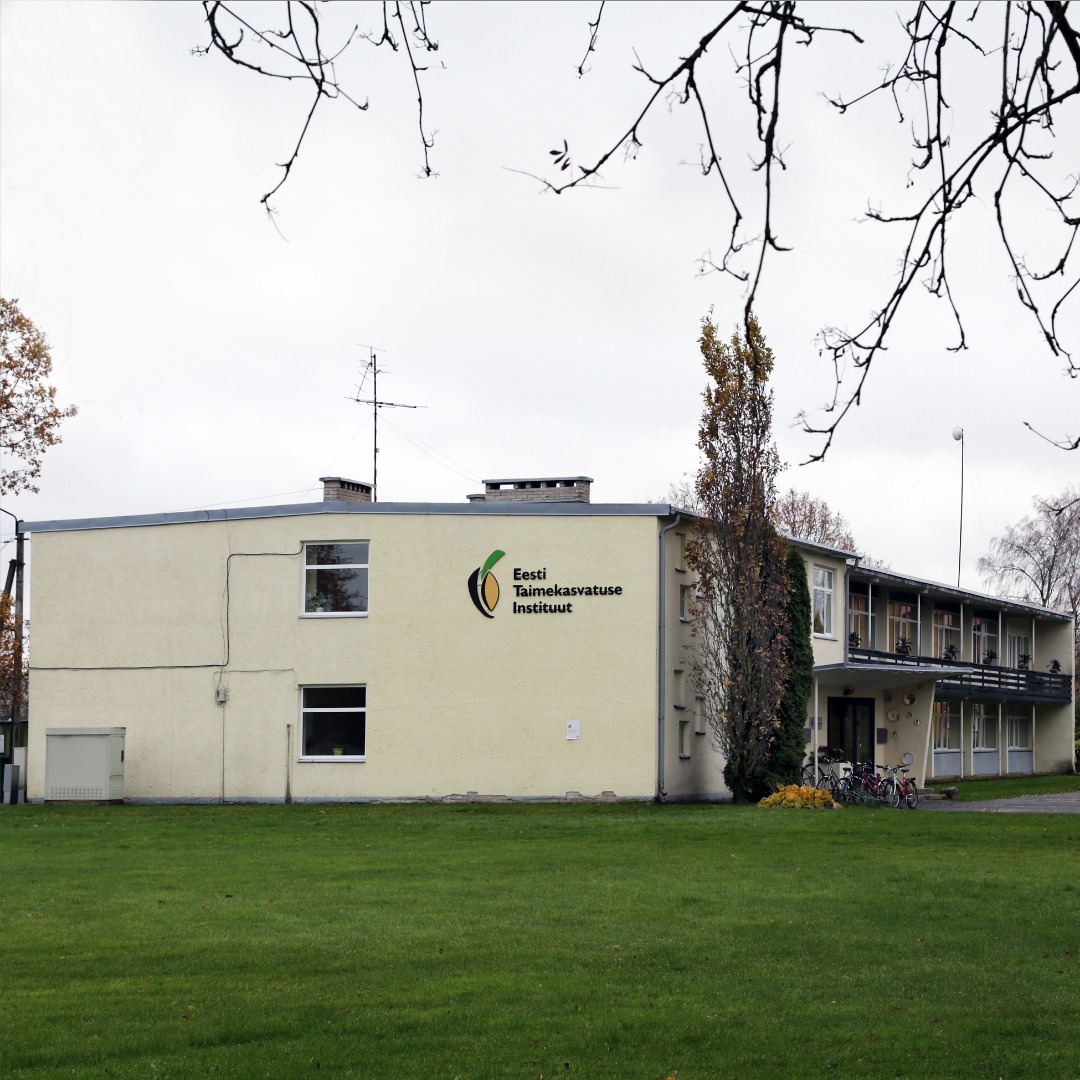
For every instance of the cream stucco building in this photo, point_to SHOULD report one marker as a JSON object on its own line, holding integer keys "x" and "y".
{"x": 968, "y": 684}
{"x": 523, "y": 644}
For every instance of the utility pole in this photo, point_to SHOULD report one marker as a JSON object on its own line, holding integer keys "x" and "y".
{"x": 18, "y": 697}
{"x": 372, "y": 369}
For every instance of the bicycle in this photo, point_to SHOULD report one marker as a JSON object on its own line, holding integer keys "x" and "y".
{"x": 899, "y": 789}
{"x": 823, "y": 778}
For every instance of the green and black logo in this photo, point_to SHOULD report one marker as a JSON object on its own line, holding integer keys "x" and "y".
{"x": 484, "y": 586}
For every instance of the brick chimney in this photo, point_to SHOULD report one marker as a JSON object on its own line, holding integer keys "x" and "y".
{"x": 537, "y": 489}
{"x": 338, "y": 489}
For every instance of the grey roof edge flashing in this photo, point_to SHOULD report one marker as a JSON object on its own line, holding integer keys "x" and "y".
{"x": 893, "y": 579}
{"x": 250, "y": 513}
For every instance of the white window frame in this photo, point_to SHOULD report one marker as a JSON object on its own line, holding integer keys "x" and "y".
{"x": 984, "y": 638}
{"x": 824, "y": 588}
{"x": 946, "y": 632}
{"x": 309, "y": 567}
{"x": 903, "y": 625}
{"x": 950, "y": 712}
{"x": 859, "y": 620}
{"x": 686, "y": 599}
{"x": 1020, "y": 726}
{"x": 1018, "y": 644}
{"x": 984, "y": 725}
{"x": 306, "y": 710}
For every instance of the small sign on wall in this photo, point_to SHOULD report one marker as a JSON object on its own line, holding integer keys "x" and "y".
{"x": 573, "y": 729}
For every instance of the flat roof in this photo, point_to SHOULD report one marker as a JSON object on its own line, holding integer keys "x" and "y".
{"x": 495, "y": 508}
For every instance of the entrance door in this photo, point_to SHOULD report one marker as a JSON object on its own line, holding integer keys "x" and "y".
{"x": 851, "y": 727}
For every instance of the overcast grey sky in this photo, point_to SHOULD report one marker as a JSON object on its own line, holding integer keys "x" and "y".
{"x": 212, "y": 355}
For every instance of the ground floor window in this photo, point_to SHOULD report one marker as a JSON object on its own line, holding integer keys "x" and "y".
{"x": 946, "y": 725}
{"x": 1019, "y": 730}
{"x": 333, "y": 721}
{"x": 984, "y": 726}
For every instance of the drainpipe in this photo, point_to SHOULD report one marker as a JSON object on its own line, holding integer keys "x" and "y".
{"x": 661, "y": 651}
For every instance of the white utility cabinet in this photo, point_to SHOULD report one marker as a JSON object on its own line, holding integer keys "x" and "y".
{"x": 84, "y": 764}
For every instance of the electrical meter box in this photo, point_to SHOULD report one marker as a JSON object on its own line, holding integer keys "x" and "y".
{"x": 84, "y": 764}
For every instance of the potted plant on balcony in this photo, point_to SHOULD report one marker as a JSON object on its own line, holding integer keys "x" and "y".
{"x": 949, "y": 652}
{"x": 989, "y": 656}
{"x": 1023, "y": 661}
{"x": 1054, "y": 667}
{"x": 853, "y": 640}
{"x": 903, "y": 646}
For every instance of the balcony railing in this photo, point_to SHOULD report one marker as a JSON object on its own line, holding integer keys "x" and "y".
{"x": 989, "y": 680}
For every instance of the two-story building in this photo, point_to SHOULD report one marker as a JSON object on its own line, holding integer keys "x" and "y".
{"x": 524, "y": 644}
{"x": 968, "y": 684}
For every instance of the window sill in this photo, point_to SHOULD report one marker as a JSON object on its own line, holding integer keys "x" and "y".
{"x": 333, "y": 614}
{"x": 684, "y": 757}
{"x": 332, "y": 757}
{"x": 826, "y": 637}
{"x": 676, "y": 705}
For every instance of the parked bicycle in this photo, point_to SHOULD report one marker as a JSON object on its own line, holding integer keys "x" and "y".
{"x": 899, "y": 788}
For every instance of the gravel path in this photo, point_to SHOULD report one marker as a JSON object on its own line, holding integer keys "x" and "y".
{"x": 1065, "y": 802}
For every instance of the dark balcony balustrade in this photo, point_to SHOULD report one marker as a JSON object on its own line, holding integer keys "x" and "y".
{"x": 989, "y": 681}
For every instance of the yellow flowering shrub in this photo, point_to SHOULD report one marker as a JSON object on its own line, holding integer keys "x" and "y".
{"x": 801, "y": 797}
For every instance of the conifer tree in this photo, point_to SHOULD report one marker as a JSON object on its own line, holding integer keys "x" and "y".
{"x": 789, "y": 746}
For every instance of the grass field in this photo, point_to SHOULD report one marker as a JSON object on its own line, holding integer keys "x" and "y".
{"x": 620, "y": 941}
{"x": 1010, "y": 787}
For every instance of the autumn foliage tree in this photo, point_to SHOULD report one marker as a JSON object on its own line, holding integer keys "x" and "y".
{"x": 13, "y": 669}
{"x": 29, "y": 415}
{"x": 739, "y": 655}
{"x": 809, "y": 518}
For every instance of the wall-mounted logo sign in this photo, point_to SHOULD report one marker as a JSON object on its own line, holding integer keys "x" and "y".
{"x": 529, "y": 585}
{"x": 484, "y": 586}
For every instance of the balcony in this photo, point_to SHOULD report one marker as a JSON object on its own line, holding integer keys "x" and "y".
{"x": 988, "y": 682}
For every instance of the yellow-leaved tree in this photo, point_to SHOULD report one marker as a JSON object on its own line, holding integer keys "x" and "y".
{"x": 29, "y": 415}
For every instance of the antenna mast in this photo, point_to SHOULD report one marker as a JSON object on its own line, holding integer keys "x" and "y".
{"x": 372, "y": 369}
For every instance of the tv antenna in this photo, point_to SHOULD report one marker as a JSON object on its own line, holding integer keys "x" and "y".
{"x": 374, "y": 371}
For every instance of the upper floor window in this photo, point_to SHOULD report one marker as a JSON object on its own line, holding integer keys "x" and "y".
{"x": 947, "y": 631}
{"x": 984, "y": 637}
{"x": 823, "y": 601}
{"x": 859, "y": 616}
{"x": 903, "y": 622}
{"x": 336, "y": 578}
{"x": 1019, "y": 651}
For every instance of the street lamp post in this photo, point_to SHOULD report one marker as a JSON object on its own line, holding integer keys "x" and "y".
{"x": 958, "y": 435}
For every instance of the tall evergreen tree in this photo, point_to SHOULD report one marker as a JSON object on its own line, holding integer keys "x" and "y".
{"x": 789, "y": 747}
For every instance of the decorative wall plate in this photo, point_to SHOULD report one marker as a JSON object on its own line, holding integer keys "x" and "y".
{"x": 909, "y": 699}
{"x": 894, "y": 715}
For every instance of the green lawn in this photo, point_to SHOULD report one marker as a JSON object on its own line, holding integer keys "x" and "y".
{"x": 1010, "y": 787}
{"x": 620, "y": 941}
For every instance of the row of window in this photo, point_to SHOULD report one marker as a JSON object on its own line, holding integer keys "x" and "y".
{"x": 902, "y": 615}
{"x": 984, "y": 724}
